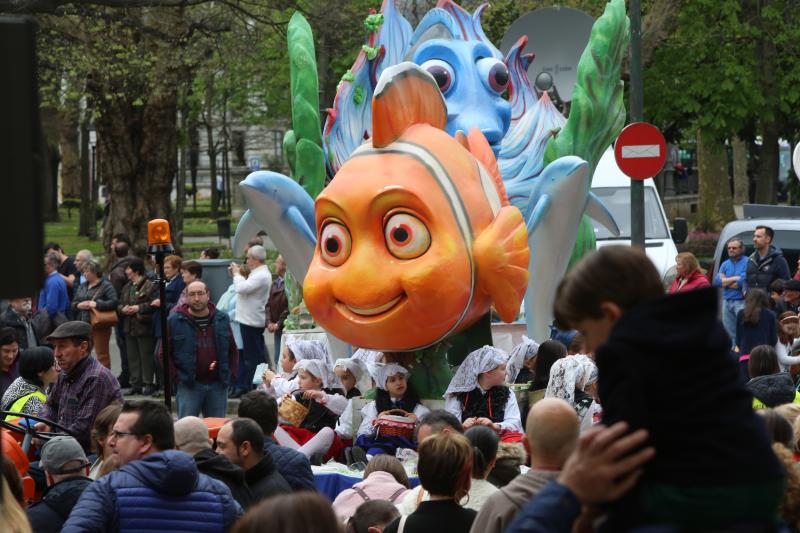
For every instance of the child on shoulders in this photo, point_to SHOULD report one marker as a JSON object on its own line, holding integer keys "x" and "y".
{"x": 477, "y": 394}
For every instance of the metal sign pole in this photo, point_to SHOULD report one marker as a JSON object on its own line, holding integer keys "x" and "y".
{"x": 636, "y": 103}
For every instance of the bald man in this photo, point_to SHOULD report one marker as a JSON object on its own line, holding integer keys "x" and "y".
{"x": 191, "y": 437}
{"x": 553, "y": 430}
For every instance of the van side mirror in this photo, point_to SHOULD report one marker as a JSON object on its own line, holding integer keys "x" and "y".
{"x": 680, "y": 230}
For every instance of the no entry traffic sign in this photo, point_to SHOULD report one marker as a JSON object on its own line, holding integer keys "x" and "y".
{"x": 640, "y": 151}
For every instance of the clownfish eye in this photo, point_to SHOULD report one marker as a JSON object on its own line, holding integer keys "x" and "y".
{"x": 334, "y": 243}
{"x": 406, "y": 236}
{"x": 495, "y": 73}
{"x": 441, "y": 71}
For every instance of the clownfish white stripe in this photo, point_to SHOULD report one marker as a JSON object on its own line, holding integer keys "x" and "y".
{"x": 489, "y": 189}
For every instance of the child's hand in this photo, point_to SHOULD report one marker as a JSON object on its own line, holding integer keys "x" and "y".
{"x": 313, "y": 395}
{"x": 268, "y": 376}
{"x": 412, "y": 417}
{"x": 483, "y": 421}
{"x": 469, "y": 422}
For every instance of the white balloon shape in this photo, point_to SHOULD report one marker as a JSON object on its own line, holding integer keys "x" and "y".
{"x": 796, "y": 161}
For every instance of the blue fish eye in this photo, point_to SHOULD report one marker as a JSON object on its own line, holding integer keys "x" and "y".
{"x": 494, "y": 73}
{"x": 441, "y": 71}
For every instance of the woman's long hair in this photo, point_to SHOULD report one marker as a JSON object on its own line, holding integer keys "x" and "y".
{"x": 754, "y": 301}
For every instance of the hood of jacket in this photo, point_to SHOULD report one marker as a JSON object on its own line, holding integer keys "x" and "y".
{"x": 63, "y": 496}
{"x": 676, "y": 321}
{"x": 170, "y": 472}
{"x": 771, "y": 252}
{"x": 218, "y": 466}
{"x": 774, "y": 389}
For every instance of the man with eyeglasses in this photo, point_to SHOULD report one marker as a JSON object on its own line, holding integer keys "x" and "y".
{"x": 156, "y": 487}
{"x": 731, "y": 278}
{"x": 204, "y": 352}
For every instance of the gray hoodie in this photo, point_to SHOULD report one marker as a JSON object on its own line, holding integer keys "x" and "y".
{"x": 502, "y": 506}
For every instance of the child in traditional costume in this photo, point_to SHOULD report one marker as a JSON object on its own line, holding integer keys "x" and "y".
{"x": 477, "y": 394}
{"x": 393, "y": 393}
{"x": 296, "y": 350}
{"x": 521, "y": 361}
{"x": 353, "y": 375}
{"x": 321, "y": 394}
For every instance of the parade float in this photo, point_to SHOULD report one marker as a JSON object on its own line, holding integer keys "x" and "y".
{"x": 453, "y": 191}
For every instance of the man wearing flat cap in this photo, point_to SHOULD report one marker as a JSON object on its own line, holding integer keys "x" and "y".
{"x": 790, "y": 300}
{"x": 67, "y": 471}
{"x": 84, "y": 386}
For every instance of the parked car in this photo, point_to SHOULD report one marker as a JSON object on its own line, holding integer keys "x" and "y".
{"x": 614, "y": 189}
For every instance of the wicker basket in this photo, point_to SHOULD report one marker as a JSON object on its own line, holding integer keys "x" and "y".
{"x": 292, "y": 411}
{"x": 395, "y": 423}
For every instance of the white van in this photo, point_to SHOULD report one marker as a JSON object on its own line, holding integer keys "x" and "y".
{"x": 614, "y": 190}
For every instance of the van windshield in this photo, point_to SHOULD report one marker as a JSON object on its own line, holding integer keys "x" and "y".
{"x": 618, "y": 201}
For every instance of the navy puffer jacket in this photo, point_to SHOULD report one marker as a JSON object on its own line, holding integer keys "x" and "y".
{"x": 163, "y": 492}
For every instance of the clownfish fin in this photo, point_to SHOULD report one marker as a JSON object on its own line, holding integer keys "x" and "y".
{"x": 405, "y": 95}
{"x": 501, "y": 256}
{"x": 462, "y": 139}
{"x": 479, "y": 147}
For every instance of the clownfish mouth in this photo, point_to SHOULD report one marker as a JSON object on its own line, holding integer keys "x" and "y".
{"x": 373, "y": 311}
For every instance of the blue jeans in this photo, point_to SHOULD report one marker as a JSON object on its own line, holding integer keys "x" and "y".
{"x": 730, "y": 308}
{"x": 255, "y": 353}
{"x": 209, "y": 398}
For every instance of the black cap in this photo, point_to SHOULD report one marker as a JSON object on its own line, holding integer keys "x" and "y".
{"x": 73, "y": 329}
{"x": 791, "y": 285}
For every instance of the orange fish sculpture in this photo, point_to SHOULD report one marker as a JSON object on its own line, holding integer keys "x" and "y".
{"x": 416, "y": 237}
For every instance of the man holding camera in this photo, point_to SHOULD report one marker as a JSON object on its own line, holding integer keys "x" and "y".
{"x": 251, "y": 299}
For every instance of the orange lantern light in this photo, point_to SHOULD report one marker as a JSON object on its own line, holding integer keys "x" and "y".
{"x": 158, "y": 232}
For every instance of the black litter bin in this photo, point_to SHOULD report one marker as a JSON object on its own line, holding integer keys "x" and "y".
{"x": 224, "y": 228}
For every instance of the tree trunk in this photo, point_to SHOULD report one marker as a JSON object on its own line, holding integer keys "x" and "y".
{"x": 87, "y": 226}
{"x": 138, "y": 147}
{"x": 69, "y": 124}
{"x": 741, "y": 184}
{"x": 180, "y": 182}
{"x": 211, "y": 150}
{"x": 768, "y": 168}
{"x": 194, "y": 156}
{"x": 715, "y": 205}
{"x": 48, "y": 166}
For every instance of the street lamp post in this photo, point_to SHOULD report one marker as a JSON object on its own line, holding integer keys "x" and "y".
{"x": 159, "y": 243}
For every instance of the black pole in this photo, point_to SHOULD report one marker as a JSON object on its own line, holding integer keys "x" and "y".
{"x": 637, "y": 104}
{"x": 162, "y": 295}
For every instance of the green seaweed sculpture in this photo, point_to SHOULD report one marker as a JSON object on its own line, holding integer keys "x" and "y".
{"x": 302, "y": 145}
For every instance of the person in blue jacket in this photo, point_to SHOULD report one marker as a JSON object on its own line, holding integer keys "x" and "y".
{"x": 156, "y": 487}
{"x": 53, "y": 296}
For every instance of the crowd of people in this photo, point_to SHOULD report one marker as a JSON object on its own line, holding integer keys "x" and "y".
{"x": 644, "y": 410}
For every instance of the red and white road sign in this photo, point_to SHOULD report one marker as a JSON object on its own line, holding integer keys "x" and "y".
{"x": 640, "y": 151}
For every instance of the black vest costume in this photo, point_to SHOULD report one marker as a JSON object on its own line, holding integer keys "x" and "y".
{"x": 491, "y": 405}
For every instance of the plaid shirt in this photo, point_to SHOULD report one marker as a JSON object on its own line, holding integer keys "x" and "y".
{"x": 77, "y": 397}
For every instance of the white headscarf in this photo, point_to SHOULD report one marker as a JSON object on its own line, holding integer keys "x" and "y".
{"x": 320, "y": 369}
{"x": 304, "y": 349}
{"x": 367, "y": 356}
{"x": 358, "y": 368}
{"x": 522, "y": 352}
{"x": 567, "y": 373}
{"x": 482, "y": 360}
{"x": 381, "y": 372}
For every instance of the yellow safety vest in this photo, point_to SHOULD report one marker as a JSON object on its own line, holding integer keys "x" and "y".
{"x": 19, "y": 405}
